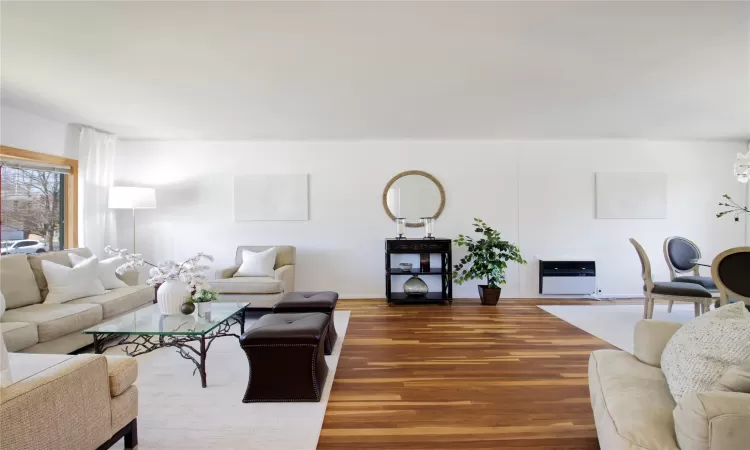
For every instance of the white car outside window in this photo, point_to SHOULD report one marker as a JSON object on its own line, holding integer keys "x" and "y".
{"x": 26, "y": 246}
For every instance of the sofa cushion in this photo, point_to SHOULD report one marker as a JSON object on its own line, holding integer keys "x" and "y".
{"x": 18, "y": 335}
{"x": 631, "y": 402}
{"x": 702, "y": 350}
{"x": 17, "y": 282}
{"x": 56, "y": 320}
{"x": 247, "y": 285}
{"x": 62, "y": 345}
{"x": 118, "y": 301}
{"x": 123, "y": 370}
{"x": 61, "y": 257}
{"x": 651, "y": 336}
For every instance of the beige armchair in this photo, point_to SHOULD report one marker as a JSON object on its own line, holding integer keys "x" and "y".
{"x": 633, "y": 408}
{"x": 67, "y": 402}
{"x": 260, "y": 292}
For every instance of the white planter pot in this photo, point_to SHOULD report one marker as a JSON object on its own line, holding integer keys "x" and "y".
{"x": 203, "y": 309}
{"x": 171, "y": 295}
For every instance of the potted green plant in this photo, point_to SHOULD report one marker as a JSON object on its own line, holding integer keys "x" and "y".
{"x": 487, "y": 258}
{"x": 203, "y": 299}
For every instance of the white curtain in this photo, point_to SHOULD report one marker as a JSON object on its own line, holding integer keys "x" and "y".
{"x": 96, "y": 173}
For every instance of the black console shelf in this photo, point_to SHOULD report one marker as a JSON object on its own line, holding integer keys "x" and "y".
{"x": 424, "y": 248}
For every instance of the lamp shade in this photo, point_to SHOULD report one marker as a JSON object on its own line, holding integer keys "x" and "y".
{"x": 132, "y": 197}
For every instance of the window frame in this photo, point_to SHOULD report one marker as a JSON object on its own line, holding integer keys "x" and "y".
{"x": 69, "y": 200}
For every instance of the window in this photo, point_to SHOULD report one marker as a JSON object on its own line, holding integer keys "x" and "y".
{"x": 37, "y": 201}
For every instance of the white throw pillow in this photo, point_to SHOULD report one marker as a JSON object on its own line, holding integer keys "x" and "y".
{"x": 257, "y": 264}
{"x": 69, "y": 283}
{"x": 704, "y": 349}
{"x": 107, "y": 267}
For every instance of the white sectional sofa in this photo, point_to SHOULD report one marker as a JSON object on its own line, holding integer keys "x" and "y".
{"x": 29, "y": 325}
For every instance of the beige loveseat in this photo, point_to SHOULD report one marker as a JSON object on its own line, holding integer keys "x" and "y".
{"x": 32, "y": 326}
{"x": 65, "y": 402}
{"x": 633, "y": 408}
{"x": 260, "y": 292}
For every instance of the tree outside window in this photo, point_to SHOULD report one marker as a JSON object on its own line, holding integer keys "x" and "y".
{"x": 32, "y": 207}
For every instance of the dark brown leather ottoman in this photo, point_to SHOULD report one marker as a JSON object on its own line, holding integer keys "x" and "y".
{"x": 285, "y": 352}
{"x": 304, "y": 302}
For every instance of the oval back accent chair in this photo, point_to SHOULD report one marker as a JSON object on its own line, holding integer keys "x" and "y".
{"x": 672, "y": 291}
{"x": 682, "y": 256}
{"x": 731, "y": 271}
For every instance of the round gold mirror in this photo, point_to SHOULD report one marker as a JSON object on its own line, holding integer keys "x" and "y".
{"x": 413, "y": 194}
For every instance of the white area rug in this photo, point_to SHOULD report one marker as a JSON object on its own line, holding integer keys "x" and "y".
{"x": 176, "y": 413}
{"x": 616, "y": 323}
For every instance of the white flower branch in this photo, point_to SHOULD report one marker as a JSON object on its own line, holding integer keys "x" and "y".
{"x": 188, "y": 271}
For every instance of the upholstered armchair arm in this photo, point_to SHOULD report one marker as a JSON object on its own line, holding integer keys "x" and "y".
{"x": 46, "y": 410}
{"x": 713, "y": 420}
{"x": 651, "y": 336}
{"x": 227, "y": 272}
{"x": 286, "y": 275}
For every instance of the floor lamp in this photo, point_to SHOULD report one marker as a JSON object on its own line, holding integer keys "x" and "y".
{"x": 121, "y": 197}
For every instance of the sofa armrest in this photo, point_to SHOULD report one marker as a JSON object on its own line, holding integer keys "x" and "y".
{"x": 651, "y": 336}
{"x": 46, "y": 409}
{"x": 130, "y": 277}
{"x": 286, "y": 275}
{"x": 713, "y": 420}
{"x": 122, "y": 370}
{"x": 227, "y": 272}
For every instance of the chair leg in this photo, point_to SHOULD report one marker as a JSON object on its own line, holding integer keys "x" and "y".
{"x": 645, "y": 306}
{"x": 669, "y": 306}
{"x": 697, "y": 308}
{"x": 131, "y": 438}
{"x": 651, "y": 308}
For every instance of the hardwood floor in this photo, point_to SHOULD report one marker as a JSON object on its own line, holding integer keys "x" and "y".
{"x": 460, "y": 377}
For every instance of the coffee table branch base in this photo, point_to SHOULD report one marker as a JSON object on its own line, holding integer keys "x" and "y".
{"x": 148, "y": 343}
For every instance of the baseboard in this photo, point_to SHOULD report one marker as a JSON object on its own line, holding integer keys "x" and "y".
{"x": 617, "y": 297}
{"x": 538, "y": 297}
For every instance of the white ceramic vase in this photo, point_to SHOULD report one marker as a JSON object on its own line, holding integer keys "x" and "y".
{"x": 171, "y": 295}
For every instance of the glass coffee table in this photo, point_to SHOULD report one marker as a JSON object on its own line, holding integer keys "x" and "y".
{"x": 145, "y": 330}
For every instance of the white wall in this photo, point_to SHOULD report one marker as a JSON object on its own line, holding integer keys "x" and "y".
{"x": 28, "y": 131}
{"x": 540, "y": 194}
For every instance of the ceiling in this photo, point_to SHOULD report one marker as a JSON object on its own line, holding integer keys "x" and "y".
{"x": 383, "y": 70}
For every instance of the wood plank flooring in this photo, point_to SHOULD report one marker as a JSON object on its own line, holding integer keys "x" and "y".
{"x": 460, "y": 377}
